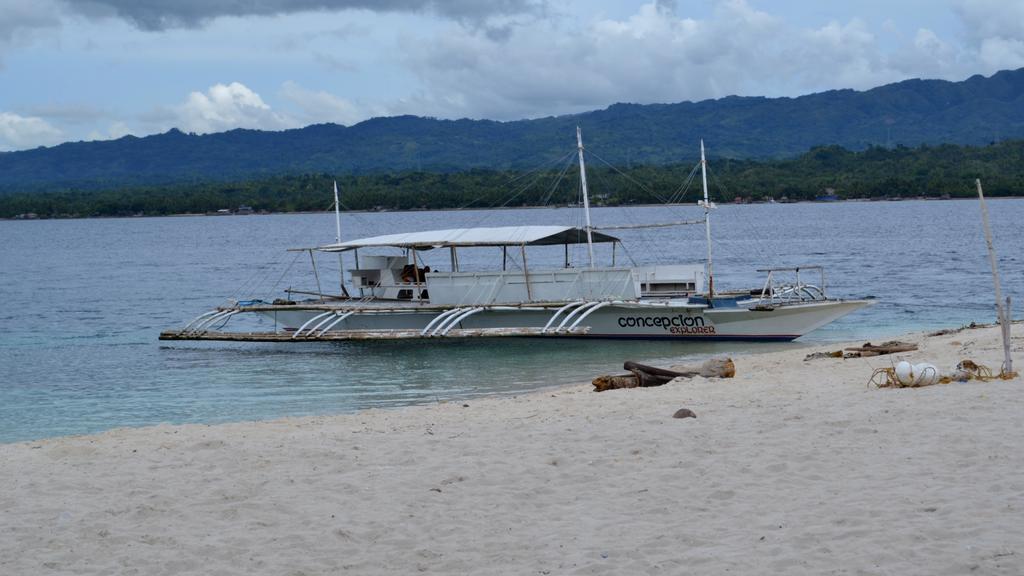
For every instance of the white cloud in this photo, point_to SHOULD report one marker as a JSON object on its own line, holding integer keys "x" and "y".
{"x": 984, "y": 19}
{"x": 17, "y": 16}
{"x": 18, "y": 132}
{"x": 929, "y": 56}
{"x": 235, "y": 105}
{"x": 838, "y": 55}
{"x": 500, "y": 59}
{"x": 926, "y": 40}
{"x": 995, "y": 30}
{"x": 999, "y": 53}
{"x": 227, "y": 106}
{"x": 19, "y": 20}
{"x": 656, "y": 54}
{"x": 335, "y": 63}
{"x": 113, "y": 132}
{"x": 663, "y": 53}
{"x": 69, "y": 113}
{"x": 318, "y": 106}
{"x": 164, "y": 14}
{"x": 118, "y": 129}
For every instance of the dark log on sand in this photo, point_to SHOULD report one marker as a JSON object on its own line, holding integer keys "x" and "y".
{"x": 642, "y": 376}
{"x": 650, "y": 375}
{"x": 607, "y": 382}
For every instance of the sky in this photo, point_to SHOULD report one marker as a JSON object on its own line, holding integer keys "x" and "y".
{"x": 99, "y": 69}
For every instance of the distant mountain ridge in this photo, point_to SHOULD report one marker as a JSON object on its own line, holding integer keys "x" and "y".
{"x": 913, "y": 112}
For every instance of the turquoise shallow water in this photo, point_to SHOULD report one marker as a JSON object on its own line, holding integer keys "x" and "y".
{"x": 85, "y": 300}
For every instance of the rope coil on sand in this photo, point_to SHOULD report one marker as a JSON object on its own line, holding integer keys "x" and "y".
{"x": 965, "y": 370}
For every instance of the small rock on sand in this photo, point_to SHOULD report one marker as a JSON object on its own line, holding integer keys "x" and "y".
{"x": 684, "y": 413}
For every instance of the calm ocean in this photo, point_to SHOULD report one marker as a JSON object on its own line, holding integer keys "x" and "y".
{"x": 84, "y": 301}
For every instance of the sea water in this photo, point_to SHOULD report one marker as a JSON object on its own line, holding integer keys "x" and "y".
{"x": 84, "y": 300}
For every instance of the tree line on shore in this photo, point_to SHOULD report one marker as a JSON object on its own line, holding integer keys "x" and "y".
{"x": 928, "y": 171}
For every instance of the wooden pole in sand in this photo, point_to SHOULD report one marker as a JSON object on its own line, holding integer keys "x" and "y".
{"x": 1006, "y": 337}
{"x": 1001, "y": 313}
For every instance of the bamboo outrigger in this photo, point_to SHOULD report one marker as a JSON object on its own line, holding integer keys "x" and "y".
{"x": 341, "y": 335}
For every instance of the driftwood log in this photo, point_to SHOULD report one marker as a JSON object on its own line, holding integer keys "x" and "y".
{"x": 816, "y": 355}
{"x": 642, "y": 376}
{"x": 869, "y": 349}
{"x": 866, "y": 351}
{"x": 713, "y": 368}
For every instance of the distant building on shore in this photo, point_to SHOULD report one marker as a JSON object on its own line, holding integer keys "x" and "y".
{"x": 828, "y": 195}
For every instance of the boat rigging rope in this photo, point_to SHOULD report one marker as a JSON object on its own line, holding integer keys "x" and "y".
{"x": 628, "y": 254}
{"x": 252, "y": 284}
{"x": 628, "y": 177}
{"x": 655, "y": 225}
{"x": 283, "y": 274}
{"x": 257, "y": 279}
{"x": 240, "y": 290}
{"x": 554, "y": 185}
{"x": 647, "y": 245}
{"x": 523, "y": 188}
{"x": 766, "y": 249}
{"x": 677, "y": 196}
{"x": 538, "y": 173}
{"x": 542, "y": 165}
{"x": 674, "y": 198}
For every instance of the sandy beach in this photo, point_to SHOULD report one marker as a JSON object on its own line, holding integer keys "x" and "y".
{"x": 792, "y": 467}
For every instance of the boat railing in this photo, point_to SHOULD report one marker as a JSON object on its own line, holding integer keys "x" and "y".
{"x": 791, "y": 290}
{"x": 486, "y": 288}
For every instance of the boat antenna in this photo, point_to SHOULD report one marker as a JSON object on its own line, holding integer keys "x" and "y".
{"x": 586, "y": 198}
{"x": 708, "y": 206}
{"x": 337, "y": 238}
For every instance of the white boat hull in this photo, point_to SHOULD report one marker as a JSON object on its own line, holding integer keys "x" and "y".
{"x": 612, "y": 320}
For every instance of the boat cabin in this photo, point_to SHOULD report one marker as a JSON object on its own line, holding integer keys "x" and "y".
{"x": 406, "y": 278}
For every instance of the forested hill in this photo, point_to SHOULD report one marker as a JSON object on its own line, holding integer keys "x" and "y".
{"x": 976, "y": 111}
{"x": 929, "y": 171}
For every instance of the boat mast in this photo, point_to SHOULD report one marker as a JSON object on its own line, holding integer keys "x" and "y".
{"x": 337, "y": 238}
{"x": 707, "y": 218}
{"x": 586, "y": 198}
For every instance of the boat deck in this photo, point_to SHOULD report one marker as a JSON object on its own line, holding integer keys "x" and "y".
{"x": 379, "y": 305}
{"x": 374, "y": 305}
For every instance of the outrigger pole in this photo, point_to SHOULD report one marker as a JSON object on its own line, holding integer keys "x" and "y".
{"x": 586, "y": 198}
{"x": 337, "y": 238}
{"x": 707, "y": 220}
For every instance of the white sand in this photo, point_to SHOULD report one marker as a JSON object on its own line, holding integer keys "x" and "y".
{"x": 791, "y": 468}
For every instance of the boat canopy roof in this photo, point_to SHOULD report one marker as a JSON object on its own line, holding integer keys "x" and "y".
{"x": 462, "y": 237}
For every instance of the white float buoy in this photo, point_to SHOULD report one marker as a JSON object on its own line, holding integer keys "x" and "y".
{"x": 925, "y": 374}
{"x": 905, "y": 373}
